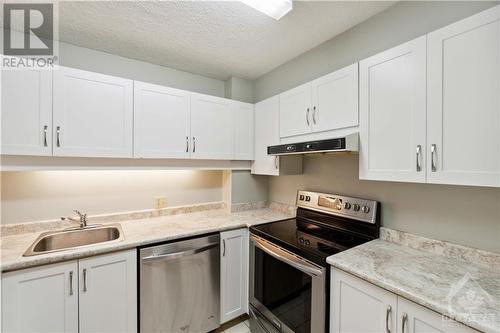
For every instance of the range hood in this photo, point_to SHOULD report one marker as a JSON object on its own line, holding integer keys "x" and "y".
{"x": 348, "y": 143}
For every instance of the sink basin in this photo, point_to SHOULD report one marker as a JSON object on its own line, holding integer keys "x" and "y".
{"x": 54, "y": 241}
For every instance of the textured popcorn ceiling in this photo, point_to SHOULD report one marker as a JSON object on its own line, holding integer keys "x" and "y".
{"x": 213, "y": 38}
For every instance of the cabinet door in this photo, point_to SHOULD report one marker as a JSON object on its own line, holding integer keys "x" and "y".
{"x": 392, "y": 114}
{"x": 335, "y": 100}
{"x": 234, "y": 274}
{"x": 359, "y": 306}
{"x": 413, "y": 318}
{"x": 211, "y": 127}
{"x": 243, "y": 130}
{"x": 295, "y": 111}
{"x": 27, "y": 112}
{"x": 108, "y": 293}
{"x": 41, "y": 299}
{"x": 267, "y": 115}
{"x": 92, "y": 114}
{"x": 161, "y": 121}
{"x": 463, "y": 88}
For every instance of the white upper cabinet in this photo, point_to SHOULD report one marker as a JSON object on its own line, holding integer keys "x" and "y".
{"x": 161, "y": 121}
{"x": 463, "y": 103}
{"x": 295, "y": 111}
{"x": 325, "y": 104}
{"x": 267, "y": 115}
{"x": 211, "y": 127}
{"x": 108, "y": 293}
{"x": 27, "y": 112}
{"x": 243, "y": 115}
{"x": 335, "y": 100}
{"x": 234, "y": 273}
{"x": 93, "y": 114}
{"x": 41, "y": 299}
{"x": 392, "y": 114}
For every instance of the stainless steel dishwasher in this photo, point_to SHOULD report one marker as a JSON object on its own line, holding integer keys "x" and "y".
{"x": 179, "y": 286}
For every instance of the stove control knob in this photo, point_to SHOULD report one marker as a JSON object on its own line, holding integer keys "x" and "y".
{"x": 356, "y": 207}
{"x": 301, "y": 240}
{"x": 307, "y": 242}
{"x": 365, "y": 209}
{"x": 301, "y": 197}
{"x": 347, "y": 205}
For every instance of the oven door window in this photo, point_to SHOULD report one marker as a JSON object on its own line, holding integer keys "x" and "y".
{"x": 283, "y": 290}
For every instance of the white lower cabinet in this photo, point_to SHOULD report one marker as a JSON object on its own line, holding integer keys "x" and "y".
{"x": 234, "y": 273}
{"x": 97, "y": 294}
{"x": 41, "y": 299}
{"x": 108, "y": 293}
{"x": 359, "y": 306}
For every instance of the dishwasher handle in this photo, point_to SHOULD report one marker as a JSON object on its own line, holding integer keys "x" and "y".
{"x": 177, "y": 255}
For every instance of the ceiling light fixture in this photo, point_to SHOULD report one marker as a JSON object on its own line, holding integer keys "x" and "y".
{"x": 274, "y": 8}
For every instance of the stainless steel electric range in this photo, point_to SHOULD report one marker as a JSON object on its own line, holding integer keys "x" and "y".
{"x": 289, "y": 279}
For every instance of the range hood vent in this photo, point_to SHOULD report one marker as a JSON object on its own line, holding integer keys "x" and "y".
{"x": 348, "y": 143}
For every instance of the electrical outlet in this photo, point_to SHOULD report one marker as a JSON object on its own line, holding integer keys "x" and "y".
{"x": 160, "y": 202}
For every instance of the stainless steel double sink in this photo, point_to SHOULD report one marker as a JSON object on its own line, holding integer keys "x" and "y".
{"x": 68, "y": 239}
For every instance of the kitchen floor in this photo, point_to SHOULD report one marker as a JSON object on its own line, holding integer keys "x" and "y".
{"x": 238, "y": 325}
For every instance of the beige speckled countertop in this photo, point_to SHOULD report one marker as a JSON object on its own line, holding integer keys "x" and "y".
{"x": 458, "y": 282}
{"x": 138, "y": 232}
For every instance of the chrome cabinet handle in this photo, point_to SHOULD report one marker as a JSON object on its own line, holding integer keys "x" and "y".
{"x": 223, "y": 247}
{"x": 187, "y": 144}
{"x": 433, "y": 162}
{"x": 307, "y": 116}
{"x": 194, "y": 144}
{"x": 419, "y": 158}
{"x": 314, "y": 115}
{"x": 45, "y": 135}
{"x": 84, "y": 279}
{"x": 404, "y": 322}
{"x": 71, "y": 283}
{"x": 58, "y": 134}
{"x": 387, "y": 315}
{"x": 276, "y": 162}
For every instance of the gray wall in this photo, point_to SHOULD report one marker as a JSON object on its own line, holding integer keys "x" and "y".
{"x": 248, "y": 188}
{"x": 239, "y": 89}
{"x": 41, "y": 195}
{"x": 400, "y": 23}
{"x": 465, "y": 215}
{"x": 106, "y": 63}
{"x": 462, "y": 214}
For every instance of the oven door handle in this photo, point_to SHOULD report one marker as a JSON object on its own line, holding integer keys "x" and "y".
{"x": 286, "y": 257}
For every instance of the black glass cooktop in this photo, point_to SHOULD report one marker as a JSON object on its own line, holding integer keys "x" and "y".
{"x": 308, "y": 239}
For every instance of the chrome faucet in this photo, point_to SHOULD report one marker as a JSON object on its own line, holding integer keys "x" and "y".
{"x": 82, "y": 220}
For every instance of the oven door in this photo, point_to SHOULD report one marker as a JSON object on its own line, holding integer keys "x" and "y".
{"x": 289, "y": 291}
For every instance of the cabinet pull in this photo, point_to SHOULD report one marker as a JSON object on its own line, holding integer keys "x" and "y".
{"x": 307, "y": 116}
{"x": 433, "y": 162}
{"x": 45, "y": 135}
{"x": 404, "y": 322}
{"x": 419, "y": 158}
{"x": 84, "y": 279}
{"x": 58, "y": 134}
{"x": 314, "y": 115}
{"x": 71, "y": 283}
{"x": 194, "y": 144}
{"x": 223, "y": 247}
{"x": 387, "y": 315}
{"x": 187, "y": 144}
{"x": 276, "y": 162}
